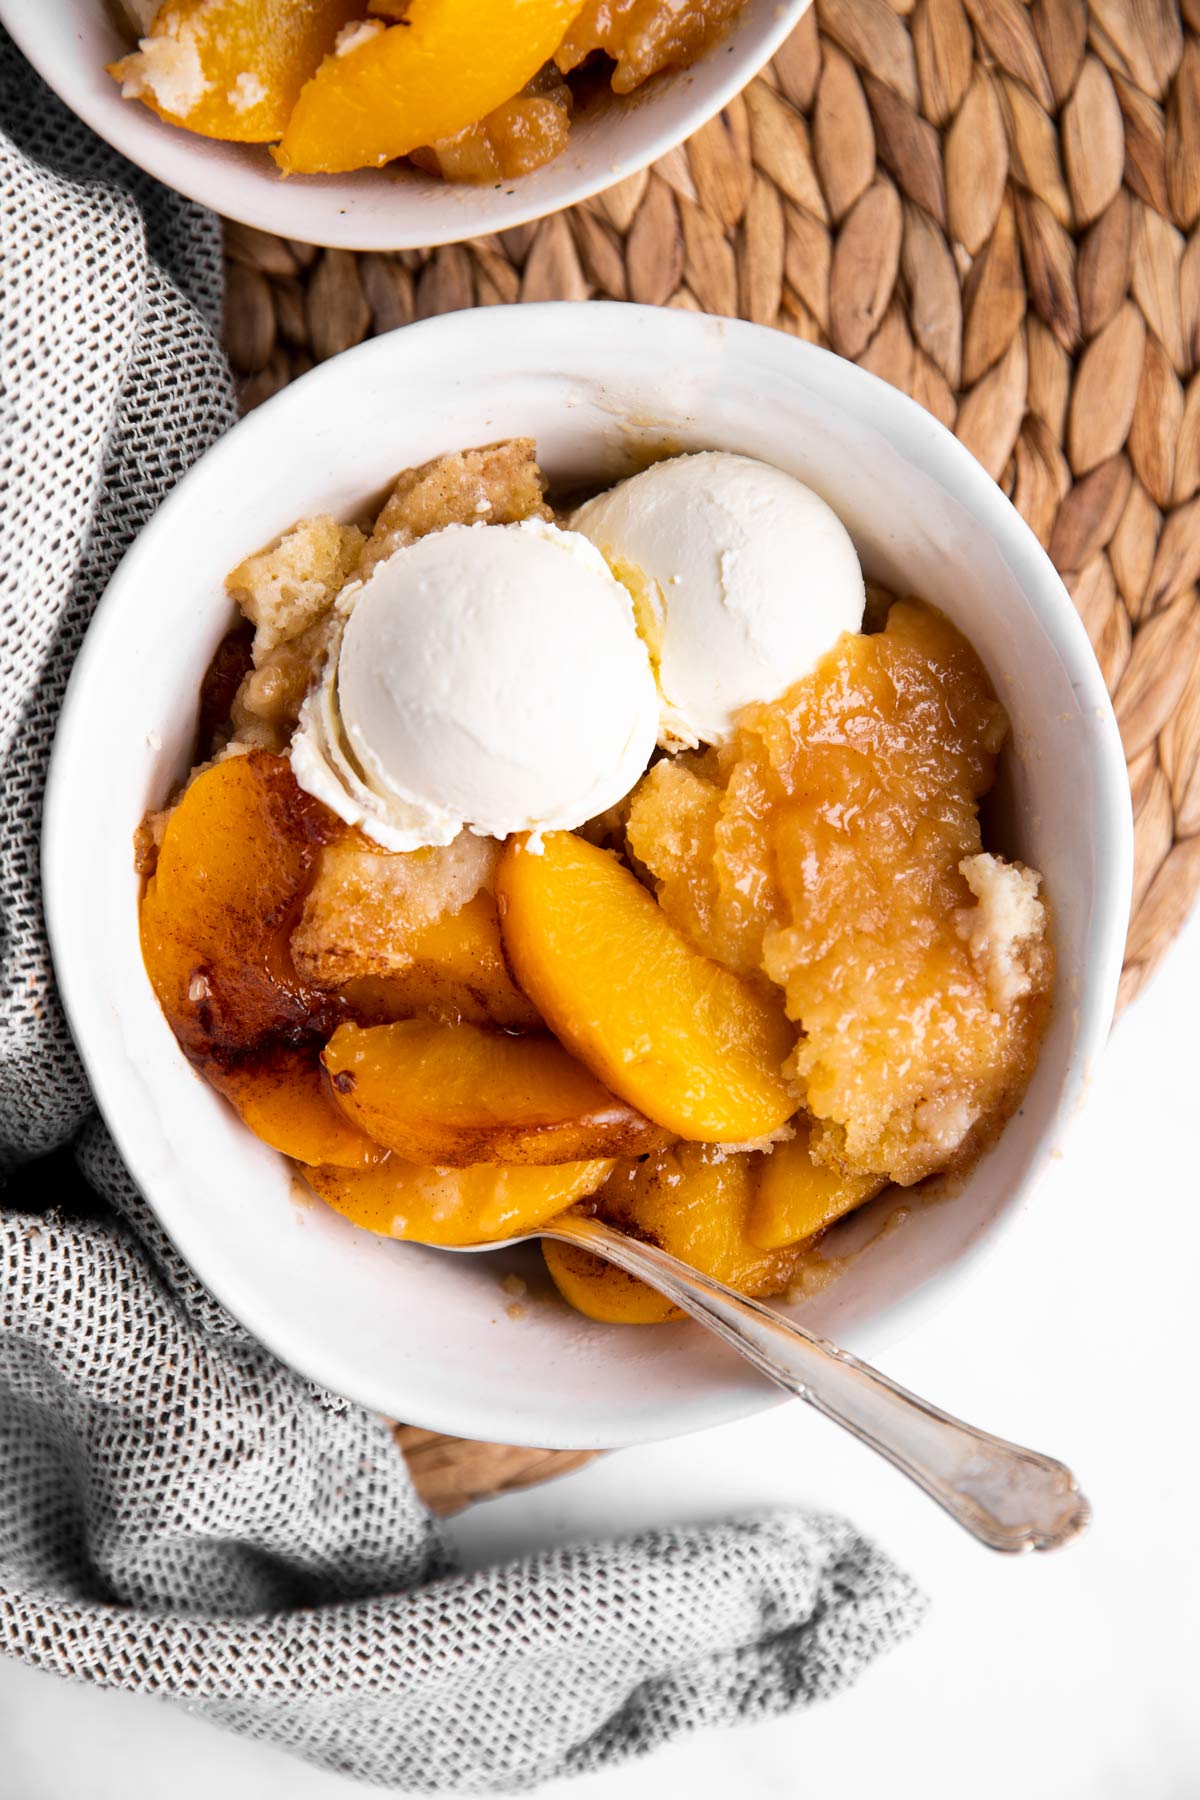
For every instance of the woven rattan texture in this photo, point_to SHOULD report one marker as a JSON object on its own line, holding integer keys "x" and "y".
{"x": 991, "y": 205}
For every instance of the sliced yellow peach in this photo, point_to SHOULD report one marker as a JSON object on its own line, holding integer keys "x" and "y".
{"x": 643, "y": 38}
{"x": 457, "y": 1095}
{"x": 692, "y": 1200}
{"x": 231, "y": 69}
{"x": 454, "y": 1206}
{"x": 218, "y": 911}
{"x": 601, "y": 1291}
{"x": 447, "y": 64}
{"x": 688, "y": 1043}
{"x": 520, "y": 135}
{"x": 796, "y": 1197}
{"x": 284, "y": 1098}
{"x": 457, "y": 972}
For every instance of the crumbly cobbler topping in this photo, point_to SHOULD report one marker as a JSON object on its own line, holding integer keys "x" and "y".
{"x": 834, "y": 847}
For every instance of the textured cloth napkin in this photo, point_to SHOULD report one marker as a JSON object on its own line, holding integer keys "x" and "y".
{"x": 181, "y": 1515}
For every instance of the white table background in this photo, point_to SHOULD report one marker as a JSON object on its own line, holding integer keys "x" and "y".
{"x": 1070, "y": 1677}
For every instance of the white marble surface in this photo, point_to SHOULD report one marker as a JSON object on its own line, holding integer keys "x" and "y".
{"x": 1060, "y": 1678}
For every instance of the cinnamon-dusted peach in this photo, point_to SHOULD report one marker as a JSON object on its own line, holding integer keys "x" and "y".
{"x": 218, "y": 911}
{"x": 692, "y": 1200}
{"x": 520, "y": 135}
{"x": 690, "y": 1044}
{"x": 457, "y": 1095}
{"x": 454, "y": 1206}
{"x": 447, "y": 64}
{"x": 231, "y": 68}
{"x": 795, "y": 1197}
{"x": 284, "y": 1098}
{"x": 601, "y": 1291}
{"x": 642, "y": 36}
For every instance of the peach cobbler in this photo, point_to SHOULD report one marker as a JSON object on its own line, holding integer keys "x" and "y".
{"x": 471, "y": 90}
{"x": 627, "y": 857}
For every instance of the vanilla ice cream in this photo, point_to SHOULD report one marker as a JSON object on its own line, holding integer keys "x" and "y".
{"x": 742, "y": 577}
{"x": 488, "y": 676}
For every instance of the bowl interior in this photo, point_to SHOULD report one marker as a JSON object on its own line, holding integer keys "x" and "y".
{"x": 70, "y": 41}
{"x": 417, "y": 1333}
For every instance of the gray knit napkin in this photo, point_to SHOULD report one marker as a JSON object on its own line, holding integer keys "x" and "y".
{"x": 180, "y": 1514}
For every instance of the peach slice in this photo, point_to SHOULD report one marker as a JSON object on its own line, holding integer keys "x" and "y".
{"x": 520, "y": 135}
{"x": 454, "y": 1206}
{"x": 456, "y": 1095}
{"x": 601, "y": 1291}
{"x": 688, "y": 1043}
{"x": 457, "y": 972}
{"x": 218, "y": 910}
{"x": 403, "y": 86}
{"x": 694, "y": 1201}
{"x": 796, "y": 1197}
{"x": 642, "y": 38}
{"x": 231, "y": 69}
{"x": 284, "y": 1099}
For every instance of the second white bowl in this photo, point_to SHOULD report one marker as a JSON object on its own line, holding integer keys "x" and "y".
{"x": 397, "y": 208}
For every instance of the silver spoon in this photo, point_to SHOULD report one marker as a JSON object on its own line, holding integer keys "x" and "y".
{"x": 1009, "y": 1498}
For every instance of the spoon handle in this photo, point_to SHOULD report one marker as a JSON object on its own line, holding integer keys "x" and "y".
{"x": 1009, "y": 1498}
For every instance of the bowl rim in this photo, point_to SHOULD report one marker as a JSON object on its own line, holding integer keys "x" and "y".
{"x": 188, "y": 173}
{"x": 933, "y": 449}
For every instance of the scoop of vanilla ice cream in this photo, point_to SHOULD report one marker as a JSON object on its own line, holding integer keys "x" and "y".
{"x": 487, "y": 676}
{"x": 742, "y": 577}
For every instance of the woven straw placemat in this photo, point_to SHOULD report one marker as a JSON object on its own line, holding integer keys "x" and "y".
{"x": 991, "y": 205}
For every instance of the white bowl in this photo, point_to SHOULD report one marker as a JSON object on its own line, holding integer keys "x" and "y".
{"x": 416, "y": 1333}
{"x": 70, "y": 41}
